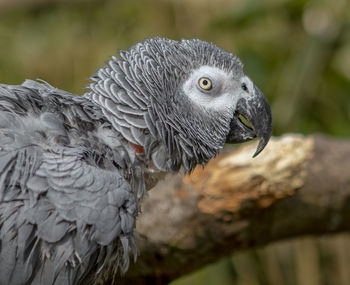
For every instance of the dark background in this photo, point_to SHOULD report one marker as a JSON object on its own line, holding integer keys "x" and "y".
{"x": 297, "y": 52}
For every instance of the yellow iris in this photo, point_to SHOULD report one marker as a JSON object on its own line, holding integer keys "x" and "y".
{"x": 205, "y": 83}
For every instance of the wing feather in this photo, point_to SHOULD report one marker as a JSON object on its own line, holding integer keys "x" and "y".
{"x": 61, "y": 213}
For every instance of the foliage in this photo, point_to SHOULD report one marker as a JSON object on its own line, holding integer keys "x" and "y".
{"x": 298, "y": 52}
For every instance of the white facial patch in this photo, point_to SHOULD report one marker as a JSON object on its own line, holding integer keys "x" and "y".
{"x": 224, "y": 94}
{"x": 248, "y": 85}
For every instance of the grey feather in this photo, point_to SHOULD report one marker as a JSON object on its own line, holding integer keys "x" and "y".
{"x": 74, "y": 169}
{"x": 60, "y": 188}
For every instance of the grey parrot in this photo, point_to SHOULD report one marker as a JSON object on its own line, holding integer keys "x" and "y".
{"x": 74, "y": 169}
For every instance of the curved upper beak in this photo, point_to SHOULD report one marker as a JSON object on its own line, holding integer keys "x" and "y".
{"x": 256, "y": 110}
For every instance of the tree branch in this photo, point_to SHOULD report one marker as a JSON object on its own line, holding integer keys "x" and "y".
{"x": 298, "y": 185}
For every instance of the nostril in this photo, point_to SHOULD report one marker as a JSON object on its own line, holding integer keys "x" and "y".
{"x": 244, "y": 87}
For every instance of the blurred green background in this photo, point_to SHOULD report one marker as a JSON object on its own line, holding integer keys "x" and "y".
{"x": 297, "y": 52}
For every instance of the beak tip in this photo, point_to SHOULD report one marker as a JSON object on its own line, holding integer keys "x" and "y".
{"x": 256, "y": 153}
{"x": 262, "y": 143}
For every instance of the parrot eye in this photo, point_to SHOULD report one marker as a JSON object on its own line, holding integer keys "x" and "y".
{"x": 205, "y": 83}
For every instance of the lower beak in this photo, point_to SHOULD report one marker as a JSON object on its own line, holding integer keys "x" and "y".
{"x": 256, "y": 110}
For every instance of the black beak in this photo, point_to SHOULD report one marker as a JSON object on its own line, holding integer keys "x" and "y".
{"x": 256, "y": 110}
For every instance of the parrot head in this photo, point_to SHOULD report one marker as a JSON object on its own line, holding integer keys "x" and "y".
{"x": 229, "y": 96}
{"x": 181, "y": 101}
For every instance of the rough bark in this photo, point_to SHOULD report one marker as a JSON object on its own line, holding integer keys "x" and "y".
{"x": 297, "y": 186}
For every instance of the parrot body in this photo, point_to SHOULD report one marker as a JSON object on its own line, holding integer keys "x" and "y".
{"x": 74, "y": 169}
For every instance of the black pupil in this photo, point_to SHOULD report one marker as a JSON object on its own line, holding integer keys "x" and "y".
{"x": 205, "y": 82}
{"x": 244, "y": 87}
